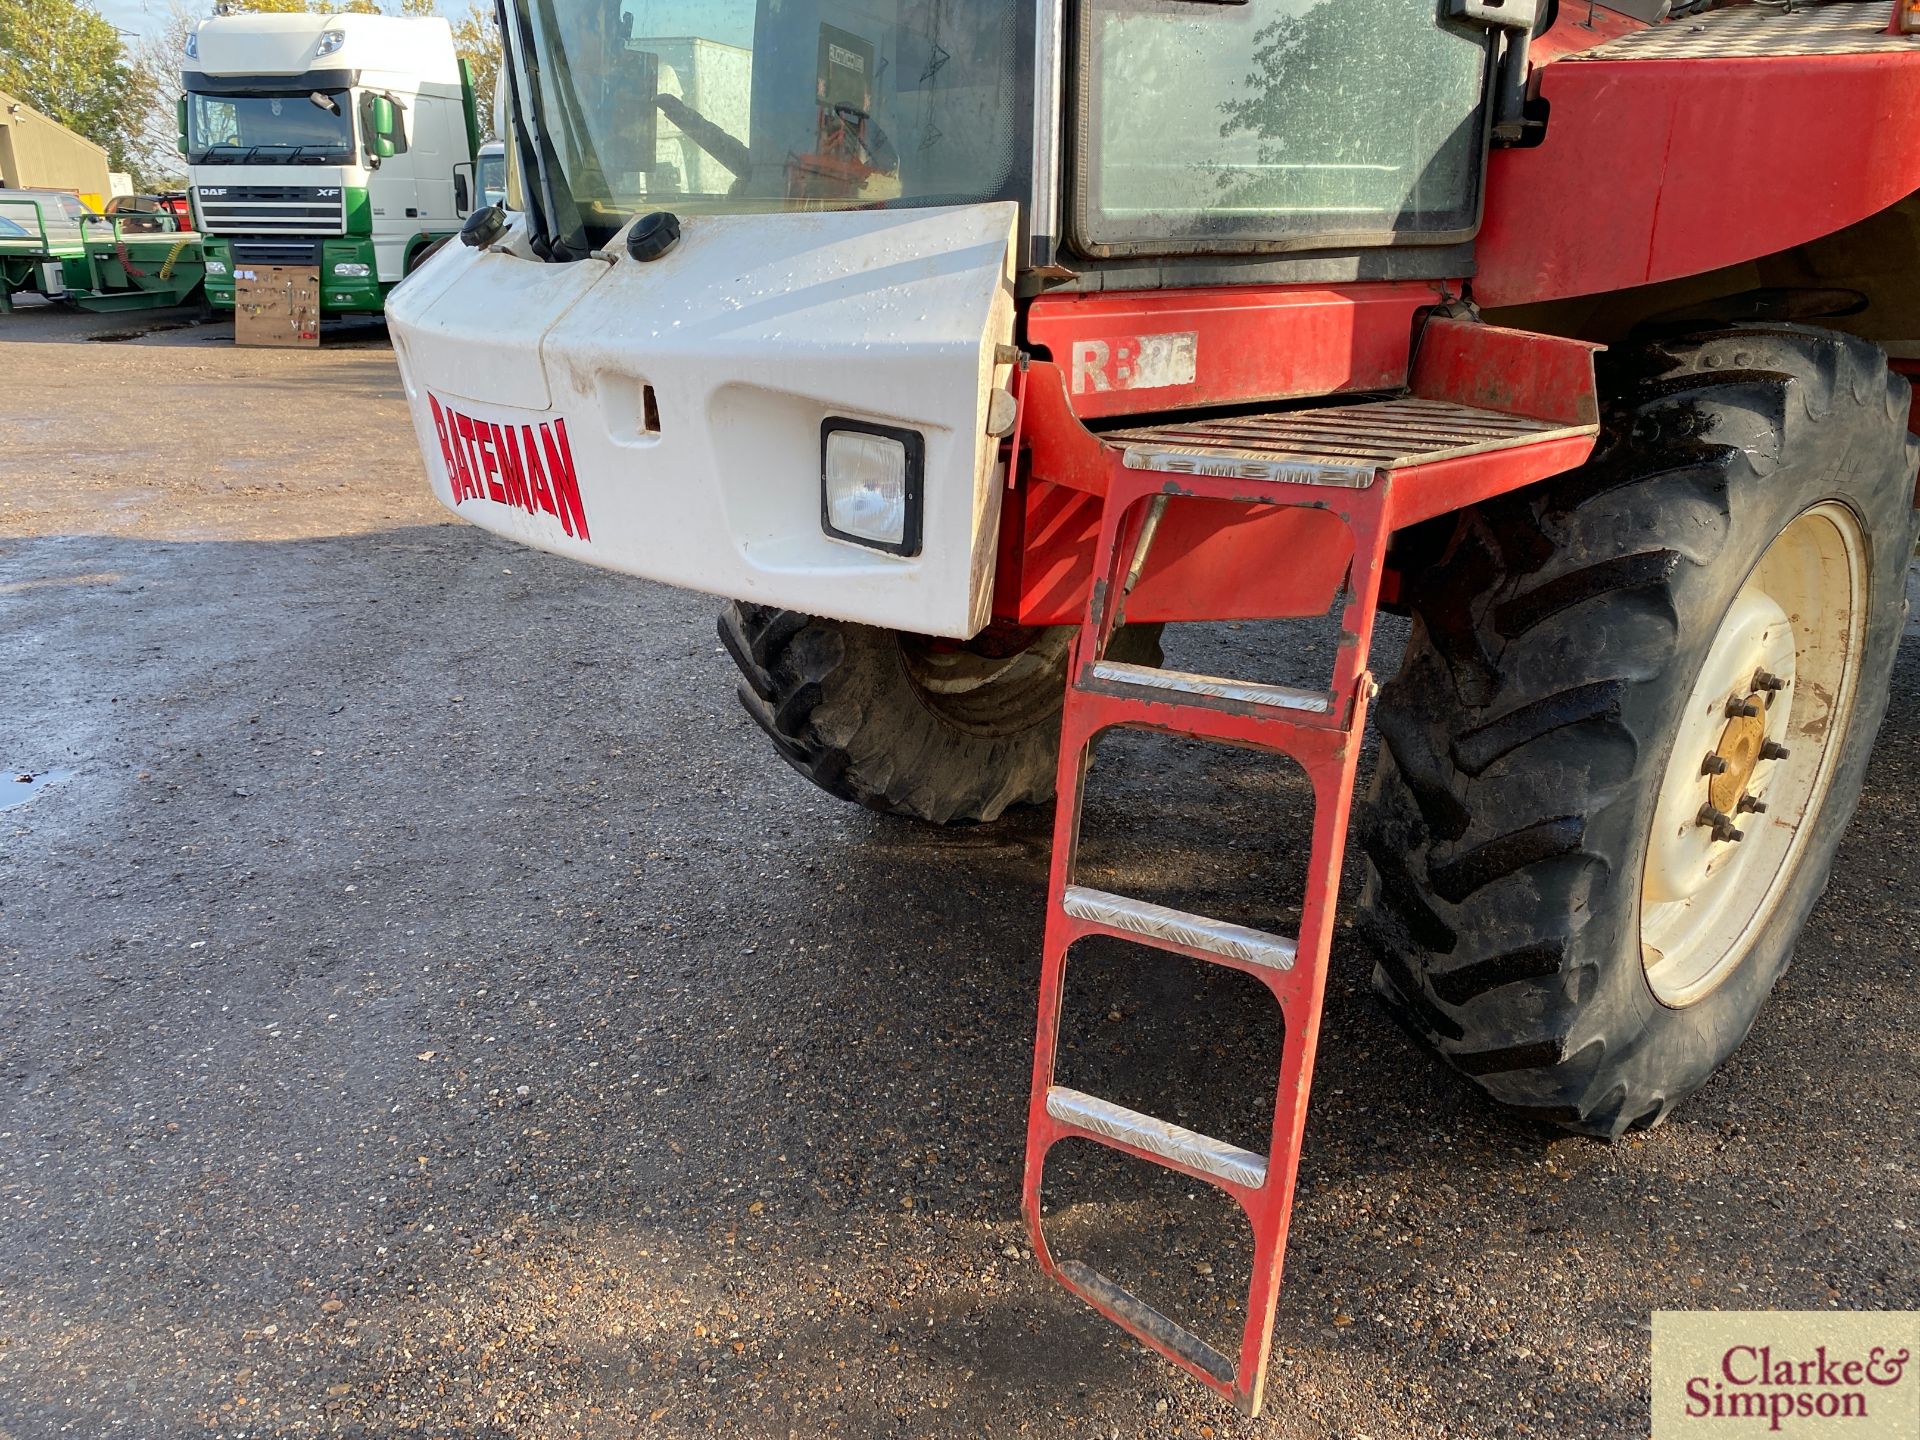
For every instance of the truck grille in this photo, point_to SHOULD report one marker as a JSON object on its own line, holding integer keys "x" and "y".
{"x": 266, "y": 210}
{"x": 276, "y": 252}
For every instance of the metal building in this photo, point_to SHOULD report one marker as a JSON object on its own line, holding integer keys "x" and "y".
{"x": 39, "y": 153}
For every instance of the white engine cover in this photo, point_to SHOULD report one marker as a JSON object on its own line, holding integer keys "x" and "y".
{"x": 527, "y": 382}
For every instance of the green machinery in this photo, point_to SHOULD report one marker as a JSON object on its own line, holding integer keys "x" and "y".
{"x": 96, "y": 264}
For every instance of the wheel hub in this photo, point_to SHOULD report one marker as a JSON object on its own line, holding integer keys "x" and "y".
{"x": 1739, "y": 747}
{"x": 1729, "y": 722}
{"x": 1728, "y": 820}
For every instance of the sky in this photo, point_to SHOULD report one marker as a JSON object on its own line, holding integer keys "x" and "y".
{"x": 146, "y": 18}
{"x": 139, "y": 16}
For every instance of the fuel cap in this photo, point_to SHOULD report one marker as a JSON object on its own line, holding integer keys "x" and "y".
{"x": 483, "y": 227}
{"x": 653, "y": 235}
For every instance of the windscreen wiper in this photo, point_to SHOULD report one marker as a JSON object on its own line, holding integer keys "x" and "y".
{"x": 567, "y": 239}
{"x": 520, "y": 134}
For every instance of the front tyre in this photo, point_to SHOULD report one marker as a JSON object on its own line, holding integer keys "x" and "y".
{"x": 1633, "y": 720}
{"x": 935, "y": 730}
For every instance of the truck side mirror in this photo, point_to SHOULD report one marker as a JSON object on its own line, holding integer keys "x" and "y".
{"x": 383, "y": 127}
{"x": 180, "y": 118}
{"x": 462, "y": 191}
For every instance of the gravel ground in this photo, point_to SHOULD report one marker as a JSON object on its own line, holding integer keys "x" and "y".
{"x": 427, "y": 1007}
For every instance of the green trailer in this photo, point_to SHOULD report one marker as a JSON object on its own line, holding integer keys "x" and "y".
{"x": 96, "y": 264}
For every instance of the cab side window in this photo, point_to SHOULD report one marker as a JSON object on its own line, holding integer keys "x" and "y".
{"x": 1277, "y": 124}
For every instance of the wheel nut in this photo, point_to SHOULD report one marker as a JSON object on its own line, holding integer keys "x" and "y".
{"x": 1710, "y": 816}
{"x": 1738, "y": 709}
{"x": 1747, "y": 805}
{"x": 1773, "y": 750}
{"x": 1763, "y": 681}
{"x": 1714, "y": 765}
{"x": 1728, "y": 834}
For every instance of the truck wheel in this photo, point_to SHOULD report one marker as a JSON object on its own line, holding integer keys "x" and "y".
{"x": 1633, "y": 719}
{"x": 933, "y": 729}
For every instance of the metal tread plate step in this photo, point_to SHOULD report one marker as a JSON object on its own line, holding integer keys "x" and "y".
{"x": 1763, "y": 33}
{"x": 1201, "y": 688}
{"x": 1179, "y": 927}
{"x": 1228, "y": 1164}
{"x": 1340, "y": 445}
{"x": 1149, "y": 1321}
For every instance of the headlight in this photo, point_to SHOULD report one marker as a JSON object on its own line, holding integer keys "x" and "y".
{"x": 353, "y": 269}
{"x": 870, "y": 480}
{"x": 330, "y": 41}
{"x": 216, "y": 267}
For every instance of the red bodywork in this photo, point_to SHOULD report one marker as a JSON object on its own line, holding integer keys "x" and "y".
{"x": 1252, "y": 342}
{"x": 1633, "y": 184}
{"x": 1217, "y": 559}
{"x": 131, "y": 209}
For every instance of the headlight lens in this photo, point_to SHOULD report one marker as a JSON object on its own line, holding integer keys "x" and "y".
{"x": 870, "y": 485}
{"x": 216, "y": 267}
{"x": 354, "y": 269}
{"x": 331, "y": 40}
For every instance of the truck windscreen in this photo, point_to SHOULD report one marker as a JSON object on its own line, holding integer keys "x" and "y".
{"x": 493, "y": 179}
{"x": 738, "y": 105}
{"x": 310, "y": 127}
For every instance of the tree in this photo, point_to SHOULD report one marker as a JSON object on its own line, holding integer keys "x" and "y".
{"x": 304, "y": 7}
{"x": 477, "y": 40}
{"x": 65, "y": 60}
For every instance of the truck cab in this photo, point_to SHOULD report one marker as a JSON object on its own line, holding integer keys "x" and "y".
{"x": 345, "y": 142}
{"x": 493, "y": 173}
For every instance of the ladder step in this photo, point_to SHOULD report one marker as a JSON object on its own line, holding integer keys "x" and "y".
{"x": 1179, "y": 927}
{"x": 1146, "y": 1321}
{"x": 1205, "y": 687}
{"x": 1224, "y": 1162}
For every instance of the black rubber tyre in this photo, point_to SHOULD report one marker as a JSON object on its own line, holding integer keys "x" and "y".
{"x": 1525, "y": 738}
{"x": 896, "y": 722}
{"x": 418, "y": 257}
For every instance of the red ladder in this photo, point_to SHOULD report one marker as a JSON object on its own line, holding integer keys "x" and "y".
{"x": 1343, "y": 460}
{"x": 1322, "y": 732}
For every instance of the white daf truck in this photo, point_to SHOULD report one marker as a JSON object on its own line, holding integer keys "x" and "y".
{"x": 343, "y": 142}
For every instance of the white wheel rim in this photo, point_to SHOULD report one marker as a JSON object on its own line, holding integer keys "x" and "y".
{"x": 1799, "y": 618}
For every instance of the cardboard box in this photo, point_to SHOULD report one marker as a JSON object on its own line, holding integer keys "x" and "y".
{"x": 276, "y": 305}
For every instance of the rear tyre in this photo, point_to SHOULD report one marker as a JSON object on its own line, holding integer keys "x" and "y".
{"x": 936, "y": 730}
{"x": 1558, "y": 913}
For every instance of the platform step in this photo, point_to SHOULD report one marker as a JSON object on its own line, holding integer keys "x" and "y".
{"x": 1146, "y": 1320}
{"x": 1344, "y": 446}
{"x": 1179, "y": 927}
{"x": 1224, "y": 1162}
{"x": 1201, "y": 688}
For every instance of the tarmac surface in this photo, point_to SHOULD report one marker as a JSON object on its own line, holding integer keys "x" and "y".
{"x": 428, "y": 1007}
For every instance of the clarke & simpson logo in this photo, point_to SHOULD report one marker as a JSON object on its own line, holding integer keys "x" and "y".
{"x": 1799, "y": 1374}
